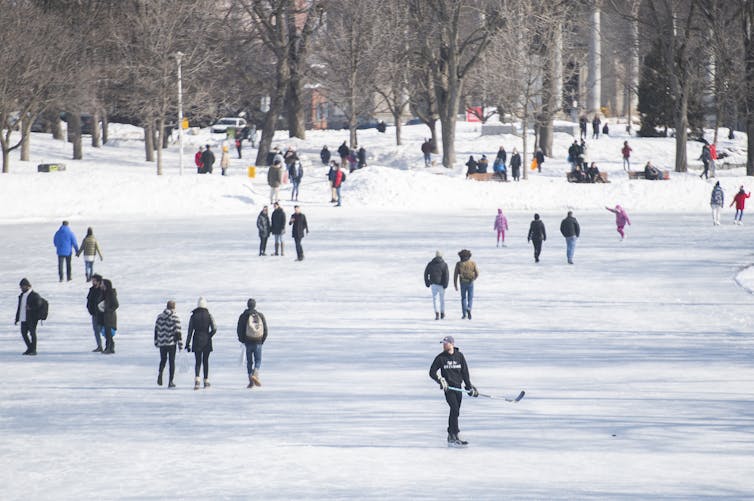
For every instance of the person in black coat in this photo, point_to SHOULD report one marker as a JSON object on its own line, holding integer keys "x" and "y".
{"x": 208, "y": 160}
{"x": 263, "y": 226}
{"x": 298, "y": 221}
{"x": 471, "y": 166}
{"x": 537, "y": 235}
{"x": 277, "y": 228}
{"x": 201, "y": 328}
{"x": 108, "y": 306}
{"x": 451, "y": 364}
{"x": 516, "y": 165}
{"x": 28, "y": 313}
{"x": 324, "y": 155}
{"x": 92, "y": 300}
{"x": 361, "y": 155}
{"x": 253, "y": 347}
{"x": 436, "y": 277}
{"x": 344, "y": 151}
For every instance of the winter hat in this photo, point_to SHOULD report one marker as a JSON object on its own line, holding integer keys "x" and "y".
{"x": 251, "y": 304}
{"x": 449, "y": 340}
{"x": 202, "y": 303}
{"x": 536, "y": 216}
{"x": 500, "y": 211}
{"x": 24, "y": 282}
{"x": 464, "y": 254}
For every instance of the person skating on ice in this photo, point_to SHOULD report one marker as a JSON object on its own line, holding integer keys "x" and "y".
{"x": 717, "y": 201}
{"x": 500, "y": 226}
{"x": 621, "y": 220}
{"x": 740, "y": 202}
{"x": 453, "y": 370}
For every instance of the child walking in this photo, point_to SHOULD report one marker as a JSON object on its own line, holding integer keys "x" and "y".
{"x": 621, "y": 219}
{"x": 740, "y": 201}
{"x": 501, "y": 224}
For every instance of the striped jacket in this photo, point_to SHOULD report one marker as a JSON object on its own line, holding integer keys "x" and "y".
{"x": 167, "y": 329}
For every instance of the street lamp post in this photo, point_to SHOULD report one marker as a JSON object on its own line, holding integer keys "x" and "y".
{"x": 178, "y": 57}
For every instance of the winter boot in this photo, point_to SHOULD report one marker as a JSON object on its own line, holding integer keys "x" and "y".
{"x": 98, "y": 349}
{"x": 112, "y": 346}
{"x": 255, "y": 378}
{"x": 282, "y": 247}
{"x": 460, "y": 441}
{"x": 206, "y": 383}
{"x": 171, "y": 384}
{"x": 159, "y": 379}
{"x": 437, "y": 316}
{"x": 442, "y": 314}
{"x": 468, "y": 314}
{"x": 276, "y": 249}
{"x": 251, "y": 382}
{"x": 196, "y": 382}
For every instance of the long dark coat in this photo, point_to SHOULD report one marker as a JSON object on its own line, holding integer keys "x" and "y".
{"x": 201, "y": 329}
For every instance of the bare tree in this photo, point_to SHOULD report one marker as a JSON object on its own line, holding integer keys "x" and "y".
{"x": 456, "y": 33}
{"x": 33, "y": 74}
{"x": 347, "y": 54}
{"x": 153, "y": 31}
{"x": 747, "y": 24}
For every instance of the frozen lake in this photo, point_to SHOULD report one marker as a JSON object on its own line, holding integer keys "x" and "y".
{"x": 637, "y": 362}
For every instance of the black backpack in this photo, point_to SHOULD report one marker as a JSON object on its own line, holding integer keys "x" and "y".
{"x": 44, "y": 308}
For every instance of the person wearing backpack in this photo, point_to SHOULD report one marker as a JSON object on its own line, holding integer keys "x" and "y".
{"x": 468, "y": 272}
{"x": 252, "y": 332}
{"x": 29, "y": 312}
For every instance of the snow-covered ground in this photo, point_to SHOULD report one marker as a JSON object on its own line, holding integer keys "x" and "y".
{"x": 636, "y": 360}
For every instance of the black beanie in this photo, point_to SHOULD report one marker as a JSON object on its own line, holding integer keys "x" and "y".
{"x": 24, "y": 282}
{"x": 252, "y": 304}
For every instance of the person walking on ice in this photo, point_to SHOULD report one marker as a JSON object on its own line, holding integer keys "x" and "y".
{"x": 453, "y": 370}
{"x": 740, "y": 201}
{"x": 252, "y": 332}
{"x": 201, "y": 328}
{"x": 537, "y": 235}
{"x": 621, "y": 219}
{"x": 436, "y": 277}
{"x": 467, "y": 271}
{"x": 716, "y": 203}
{"x": 501, "y": 226}
{"x": 167, "y": 334}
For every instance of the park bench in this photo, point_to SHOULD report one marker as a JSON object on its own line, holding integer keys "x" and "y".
{"x": 639, "y": 174}
{"x": 486, "y": 176}
{"x": 601, "y": 178}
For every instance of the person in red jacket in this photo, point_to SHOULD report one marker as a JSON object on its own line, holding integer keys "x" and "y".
{"x": 198, "y": 160}
{"x": 740, "y": 201}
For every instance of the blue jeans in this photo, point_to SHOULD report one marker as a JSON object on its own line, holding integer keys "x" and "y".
{"x": 253, "y": 357}
{"x": 570, "y": 247}
{"x": 294, "y": 191}
{"x": 739, "y": 215}
{"x": 97, "y": 328}
{"x": 88, "y": 269}
{"x": 467, "y": 296}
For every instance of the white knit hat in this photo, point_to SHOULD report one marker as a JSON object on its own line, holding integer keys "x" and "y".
{"x": 202, "y": 303}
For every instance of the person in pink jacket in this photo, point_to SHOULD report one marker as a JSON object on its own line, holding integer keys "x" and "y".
{"x": 621, "y": 219}
{"x": 501, "y": 225}
{"x": 740, "y": 201}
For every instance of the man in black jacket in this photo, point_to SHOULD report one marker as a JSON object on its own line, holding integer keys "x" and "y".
{"x": 249, "y": 324}
{"x": 28, "y": 312}
{"x": 277, "y": 228}
{"x": 453, "y": 370}
{"x": 570, "y": 229}
{"x": 298, "y": 221}
{"x": 537, "y": 235}
{"x": 208, "y": 159}
{"x": 436, "y": 277}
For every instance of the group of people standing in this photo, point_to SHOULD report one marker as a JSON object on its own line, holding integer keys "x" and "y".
{"x": 275, "y": 225}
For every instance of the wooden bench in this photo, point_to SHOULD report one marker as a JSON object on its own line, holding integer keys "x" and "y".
{"x": 601, "y": 178}
{"x": 50, "y": 167}
{"x": 639, "y": 174}
{"x": 486, "y": 176}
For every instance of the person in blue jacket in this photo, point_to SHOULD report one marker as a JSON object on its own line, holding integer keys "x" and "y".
{"x": 65, "y": 244}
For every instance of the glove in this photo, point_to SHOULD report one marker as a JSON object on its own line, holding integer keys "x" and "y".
{"x": 472, "y": 391}
{"x": 443, "y": 384}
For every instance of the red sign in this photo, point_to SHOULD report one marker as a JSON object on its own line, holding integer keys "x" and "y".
{"x": 473, "y": 113}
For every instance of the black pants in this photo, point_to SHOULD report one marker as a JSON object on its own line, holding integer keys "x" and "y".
{"x": 201, "y": 358}
{"x": 67, "y": 260}
{"x": 167, "y": 353}
{"x": 299, "y": 249}
{"x": 706, "y": 170}
{"x": 454, "y": 401}
{"x": 29, "y": 333}
{"x": 537, "y": 248}
{"x": 263, "y": 245}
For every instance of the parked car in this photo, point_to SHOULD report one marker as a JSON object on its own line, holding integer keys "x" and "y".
{"x": 222, "y": 125}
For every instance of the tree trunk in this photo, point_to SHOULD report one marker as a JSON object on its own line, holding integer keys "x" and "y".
{"x": 74, "y": 134}
{"x": 57, "y": 127}
{"x": 397, "y": 113}
{"x": 433, "y": 135}
{"x": 96, "y": 138}
{"x": 681, "y": 126}
{"x": 748, "y": 33}
{"x": 295, "y": 108}
{"x": 149, "y": 141}
{"x": 105, "y": 128}
{"x": 525, "y": 154}
{"x": 6, "y": 160}
{"x": 26, "y": 135}
{"x": 594, "y": 74}
{"x": 160, "y": 137}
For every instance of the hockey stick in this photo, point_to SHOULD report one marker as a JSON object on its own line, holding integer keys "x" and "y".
{"x": 507, "y": 399}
